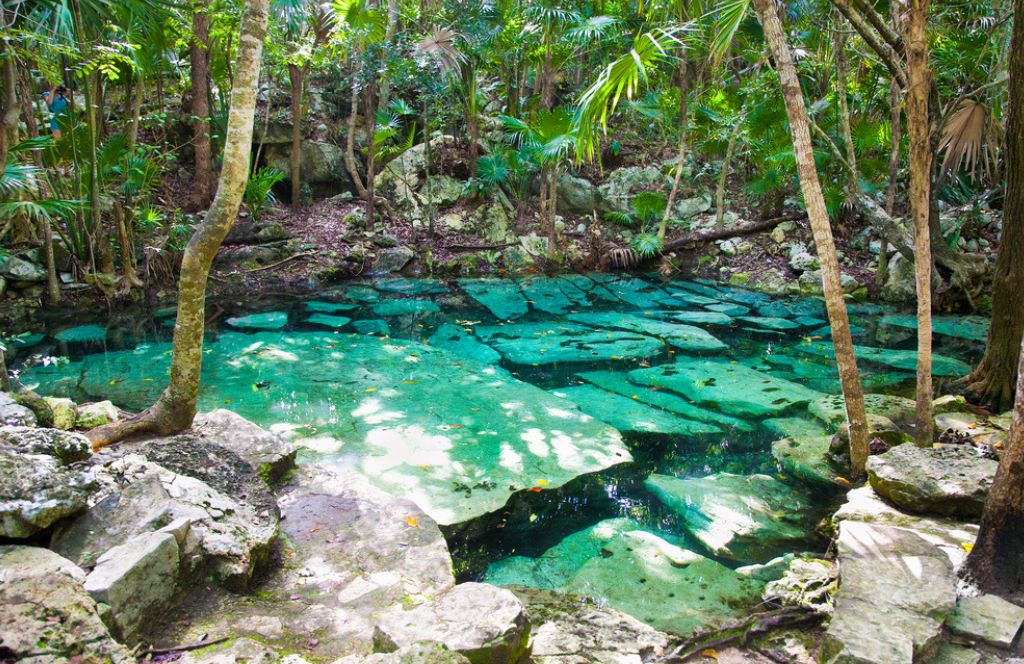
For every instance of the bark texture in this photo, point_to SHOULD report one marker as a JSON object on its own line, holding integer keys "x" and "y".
{"x": 176, "y": 407}
{"x": 297, "y": 75}
{"x": 996, "y": 564}
{"x": 199, "y": 56}
{"x": 992, "y": 382}
{"x": 919, "y": 87}
{"x": 817, "y": 213}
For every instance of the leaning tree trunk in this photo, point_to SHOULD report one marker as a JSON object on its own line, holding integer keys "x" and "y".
{"x": 296, "y": 74}
{"x": 991, "y": 383}
{"x": 723, "y": 179}
{"x": 817, "y": 214}
{"x": 919, "y": 85}
{"x": 895, "y": 131}
{"x": 176, "y": 407}
{"x": 996, "y": 563}
{"x": 199, "y": 55}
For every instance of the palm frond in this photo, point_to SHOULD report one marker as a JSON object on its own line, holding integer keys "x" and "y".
{"x": 963, "y": 139}
{"x": 440, "y": 47}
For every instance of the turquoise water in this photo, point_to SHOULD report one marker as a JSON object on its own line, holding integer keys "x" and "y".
{"x": 569, "y": 433}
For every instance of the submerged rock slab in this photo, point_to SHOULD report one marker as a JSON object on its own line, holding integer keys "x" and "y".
{"x": 974, "y": 328}
{"x": 701, "y": 317}
{"x": 271, "y": 320}
{"x": 898, "y": 359}
{"x": 81, "y": 334}
{"x": 418, "y": 420}
{"x": 770, "y": 323}
{"x": 425, "y": 286}
{"x": 832, "y": 409}
{"x": 329, "y": 320}
{"x": 408, "y": 307}
{"x": 615, "y": 381}
{"x": 324, "y": 307}
{"x": 684, "y": 337}
{"x": 637, "y": 572}
{"x": 803, "y": 452}
{"x": 747, "y": 518}
{"x": 457, "y": 340}
{"x": 895, "y": 591}
{"x": 548, "y": 343}
{"x": 734, "y": 388}
{"x": 546, "y": 294}
{"x": 501, "y": 297}
{"x": 951, "y": 480}
{"x": 627, "y": 415}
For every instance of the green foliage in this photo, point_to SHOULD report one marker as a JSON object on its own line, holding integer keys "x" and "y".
{"x": 259, "y": 189}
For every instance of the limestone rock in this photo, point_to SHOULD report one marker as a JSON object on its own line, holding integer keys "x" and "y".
{"x": 92, "y": 415}
{"x": 46, "y": 615}
{"x": 988, "y": 618}
{"x": 486, "y": 624}
{"x": 393, "y": 260}
{"x": 233, "y": 518}
{"x": 135, "y": 579}
{"x": 65, "y": 412}
{"x": 14, "y": 414}
{"x": 810, "y": 583}
{"x": 623, "y": 183}
{"x": 628, "y": 415}
{"x": 832, "y": 409}
{"x": 579, "y": 195}
{"x": 542, "y": 343}
{"x": 573, "y": 630}
{"x": 18, "y": 269}
{"x": 895, "y": 591}
{"x": 949, "y": 536}
{"x": 688, "y": 208}
{"x": 800, "y": 259}
{"x": 687, "y": 338}
{"x": 67, "y": 447}
{"x": 322, "y": 164}
{"x": 268, "y": 320}
{"x": 442, "y": 191}
{"x": 270, "y": 455}
{"x": 947, "y": 479}
{"x": 423, "y": 652}
{"x": 37, "y": 490}
{"x": 803, "y": 453}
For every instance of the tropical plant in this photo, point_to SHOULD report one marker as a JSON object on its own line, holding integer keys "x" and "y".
{"x": 259, "y": 189}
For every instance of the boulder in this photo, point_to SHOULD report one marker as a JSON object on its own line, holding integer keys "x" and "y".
{"x": 322, "y": 164}
{"x": 14, "y": 414}
{"x": 46, "y": 615}
{"x": 950, "y": 480}
{"x": 135, "y": 579}
{"x": 67, "y": 447}
{"x": 623, "y": 183}
{"x": 801, "y": 260}
{"x": 688, "y": 208}
{"x": 270, "y": 455}
{"x": 65, "y": 412}
{"x": 92, "y": 415}
{"x": 441, "y": 191}
{"x": 900, "y": 285}
{"x": 988, "y": 619}
{"x": 231, "y": 515}
{"x": 803, "y": 453}
{"x": 13, "y": 268}
{"x": 579, "y": 196}
{"x": 37, "y": 489}
{"x": 393, "y": 260}
{"x": 895, "y": 591}
{"x": 486, "y": 624}
{"x": 568, "y": 628}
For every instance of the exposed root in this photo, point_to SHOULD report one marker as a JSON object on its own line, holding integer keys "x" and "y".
{"x": 742, "y": 631}
{"x": 157, "y": 419}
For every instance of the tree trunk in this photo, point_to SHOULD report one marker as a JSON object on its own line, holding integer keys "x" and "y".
{"x": 296, "y": 74}
{"x": 133, "y": 129}
{"x": 844, "y": 106}
{"x": 684, "y": 91}
{"x": 371, "y": 146}
{"x": 919, "y": 85}
{"x": 472, "y": 116}
{"x": 350, "y": 145}
{"x": 991, "y": 383}
{"x": 895, "y": 134}
{"x": 9, "y": 105}
{"x": 817, "y": 213}
{"x": 552, "y": 212}
{"x": 176, "y": 407}
{"x": 199, "y": 55}
{"x": 723, "y": 180}
{"x": 996, "y": 563}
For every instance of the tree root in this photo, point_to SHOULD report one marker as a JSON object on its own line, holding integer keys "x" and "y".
{"x": 157, "y": 419}
{"x": 741, "y": 631}
{"x": 734, "y": 231}
{"x": 267, "y": 267}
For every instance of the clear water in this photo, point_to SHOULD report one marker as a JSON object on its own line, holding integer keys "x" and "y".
{"x": 462, "y": 396}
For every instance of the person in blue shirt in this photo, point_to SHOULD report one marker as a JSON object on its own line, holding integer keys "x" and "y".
{"x": 57, "y": 102}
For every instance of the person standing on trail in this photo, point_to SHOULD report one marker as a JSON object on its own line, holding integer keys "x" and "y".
{"x": 57, "y": 102}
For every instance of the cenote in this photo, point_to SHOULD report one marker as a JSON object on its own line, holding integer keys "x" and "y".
{"x": 603, "y": 435}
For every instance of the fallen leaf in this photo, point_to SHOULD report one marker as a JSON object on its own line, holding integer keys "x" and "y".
{"x": 843, "y": 481}
{"x": 412, "y": 521}
{"x": 535, "y": 489}
{"x": 542, "y": 482}
{"x": 709, "y": 652}
{"x": 371, "y": 389}
{"x": 968, "y": 546}
{"x": 314, "y": 530}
